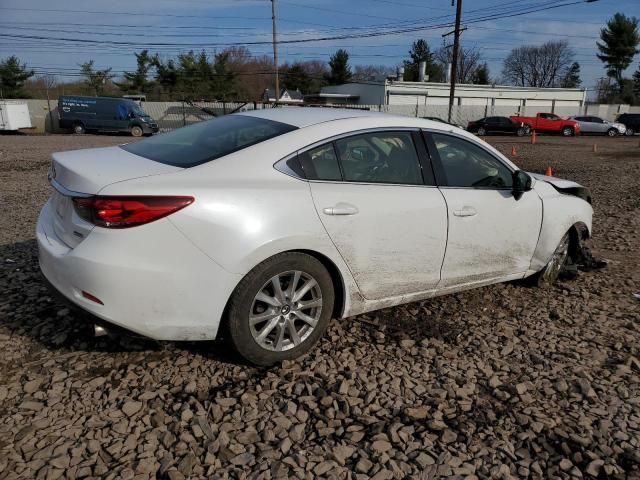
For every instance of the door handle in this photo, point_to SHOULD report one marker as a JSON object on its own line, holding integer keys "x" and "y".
{"x": 341, "y": 209}
{"x": 465, "y": 212}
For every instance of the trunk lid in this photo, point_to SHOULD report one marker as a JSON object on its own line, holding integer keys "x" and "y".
{"x": 84, "y": 173}
{"x": 89, "y": 171}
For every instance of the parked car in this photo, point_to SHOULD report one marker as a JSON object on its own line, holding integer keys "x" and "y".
{"x": 631, "y": 121}
{"x": 105, "y": 114}
{"x": 549, "y": 123}
{"x": 497, "y": 125}
{"x": 437, "y": 119}
{"x": 266, "y": 224}
{"x": 597, "y": 125}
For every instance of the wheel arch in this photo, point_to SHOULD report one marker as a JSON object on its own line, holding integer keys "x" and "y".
{"x": 339, "y": 283}
{"x": 339, "y": 288}
{"x": 578, "y": 232}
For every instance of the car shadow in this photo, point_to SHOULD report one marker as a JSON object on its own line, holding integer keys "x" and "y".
{"x": 29, "y": 308}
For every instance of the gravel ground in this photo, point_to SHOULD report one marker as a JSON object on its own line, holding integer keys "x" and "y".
{"x": 501, "y": 382}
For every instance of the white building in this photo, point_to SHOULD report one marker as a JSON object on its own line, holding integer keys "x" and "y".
{"x": 479, "y": 99}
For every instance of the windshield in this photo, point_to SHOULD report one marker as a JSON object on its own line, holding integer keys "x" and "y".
{"x": 206, "y": 141}
{"x": 138, "y": 111}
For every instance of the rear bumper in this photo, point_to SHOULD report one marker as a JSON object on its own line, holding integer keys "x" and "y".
{"x": 150, "y": 279}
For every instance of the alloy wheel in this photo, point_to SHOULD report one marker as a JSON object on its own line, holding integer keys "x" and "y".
{"x": 285, "y": 311}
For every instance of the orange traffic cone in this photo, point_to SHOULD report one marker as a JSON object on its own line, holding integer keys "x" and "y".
{"x": 534, "y": 137}
{"x": 595, "y": 148}
{"x": 513, "y": 151}
{"x": 548, "y": 171}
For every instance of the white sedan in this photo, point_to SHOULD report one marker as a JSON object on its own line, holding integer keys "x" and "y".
{"x": 262, "y": 226}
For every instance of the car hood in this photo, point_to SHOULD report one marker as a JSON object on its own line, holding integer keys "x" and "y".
{"x": 567, "y": 187}
{"x": 556, "y": 182}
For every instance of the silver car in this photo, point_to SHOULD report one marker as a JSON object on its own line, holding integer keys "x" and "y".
{"x": 589, "y": 124}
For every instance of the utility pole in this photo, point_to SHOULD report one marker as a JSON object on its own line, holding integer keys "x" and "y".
{"x": 275, "y": 48}
{"x": 456, "y": 46}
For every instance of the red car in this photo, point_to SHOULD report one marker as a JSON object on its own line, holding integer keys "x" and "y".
{"x": 549, "y": 123}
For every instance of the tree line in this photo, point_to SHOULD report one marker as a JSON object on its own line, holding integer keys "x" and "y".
{"x": 236, "y": 74}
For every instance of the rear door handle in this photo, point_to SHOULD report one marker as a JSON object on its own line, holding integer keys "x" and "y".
{"x": 465, "y": 212}
{"x": 341, "y": 209}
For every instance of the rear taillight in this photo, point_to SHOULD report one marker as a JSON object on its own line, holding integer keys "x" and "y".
{"x": 124, "y": 212}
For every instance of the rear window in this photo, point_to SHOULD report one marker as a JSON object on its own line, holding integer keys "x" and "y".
{"x": 206, "y": 141}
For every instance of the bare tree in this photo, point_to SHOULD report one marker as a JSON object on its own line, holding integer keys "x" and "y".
{"x": 363, "y": 73}
{"x": 469, "y": 61}
{"x": 538, "y": 66}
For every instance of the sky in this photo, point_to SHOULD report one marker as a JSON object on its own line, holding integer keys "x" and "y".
{"x": 55, "y": 37}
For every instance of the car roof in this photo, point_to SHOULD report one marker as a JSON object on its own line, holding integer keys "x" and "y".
{"x": 305, "y": 116}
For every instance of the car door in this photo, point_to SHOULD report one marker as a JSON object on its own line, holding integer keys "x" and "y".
{"x": 379, "y": 204}
{"x": 491, "y": 234}
{"x": 492, "y": 124}
{"x": 587, "y": 125}
{"x": 599, "y": 125}
{"x": 506, "y": 125}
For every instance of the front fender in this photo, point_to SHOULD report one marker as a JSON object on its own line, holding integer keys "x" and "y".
{"x": 560, "y": 212}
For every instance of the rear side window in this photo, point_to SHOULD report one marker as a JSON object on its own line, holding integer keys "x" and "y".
{"x": 381, "y": 157}
{"x": 206, "y": 141}
{"x": 320, "y": 163}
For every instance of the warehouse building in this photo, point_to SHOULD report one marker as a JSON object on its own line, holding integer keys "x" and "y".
{"x": 492, "y": 99}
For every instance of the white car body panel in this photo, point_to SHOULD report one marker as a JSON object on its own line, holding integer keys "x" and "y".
{"x": 496, "y": 239}
{"x": 172, "y": 278}
{"x": 395, "y": 243}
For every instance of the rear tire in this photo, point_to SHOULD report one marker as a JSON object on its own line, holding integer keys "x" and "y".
{"x": 551, "y": 271}
{"x": 567, "y": 131}
{"x": 79, "y": 129}
{"x": 280, "y": 309}
{"x": 482, "y": 132}
{"x": 629, "y": 132}
{"x": 521, "y": 132}
{"x": 612, "y": 132}
{"x": 136, "y": 131}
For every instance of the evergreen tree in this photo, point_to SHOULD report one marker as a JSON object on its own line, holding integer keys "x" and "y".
{"x": 95, "y": 79}
{"x": 13, "y": 75}
{"x": 620, "y": 40}
{"x": 166, "y": 75}
{"x": 223, "y": 83}
{"x": 340, "y": 69}
{"x": 297, "y": 78}
{"x": 481, "y": 75}
{"x": 571, "y": 79}
{"x": 420, "y": 52}
{"x": 636, "y": 84}
{"x": 138, "y": 82}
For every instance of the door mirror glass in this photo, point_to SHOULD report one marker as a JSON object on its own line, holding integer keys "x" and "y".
{"x": 521, "y": 183}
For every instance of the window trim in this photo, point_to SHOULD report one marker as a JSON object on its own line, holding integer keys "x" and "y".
{"x": 424, "y": 159}
{"x": 441, "y": 177}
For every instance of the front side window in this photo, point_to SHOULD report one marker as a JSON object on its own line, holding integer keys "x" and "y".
{"x": 468, "y": 165}
{"x": 380, "y": 157}
{"x": 205, "y": 141}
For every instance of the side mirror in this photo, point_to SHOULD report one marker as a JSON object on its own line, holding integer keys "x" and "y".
{"x": 521, "y": 183}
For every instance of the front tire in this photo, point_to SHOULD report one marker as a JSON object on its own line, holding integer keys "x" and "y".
{"x": 280, "y": 308}
{"x": 612, "y": 132}
{"x": 136, "y": 131}
{"x": 567, "y": 131}
{"x": 521, "y": 132}
{"x": 79, "y": 129}
{"x": 550, "y": 273}
{"x": 482, "y": 132}
{"x": 629, "y": 132}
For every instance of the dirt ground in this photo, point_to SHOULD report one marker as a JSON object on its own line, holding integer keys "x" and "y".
{"x": 500, "y": 382}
